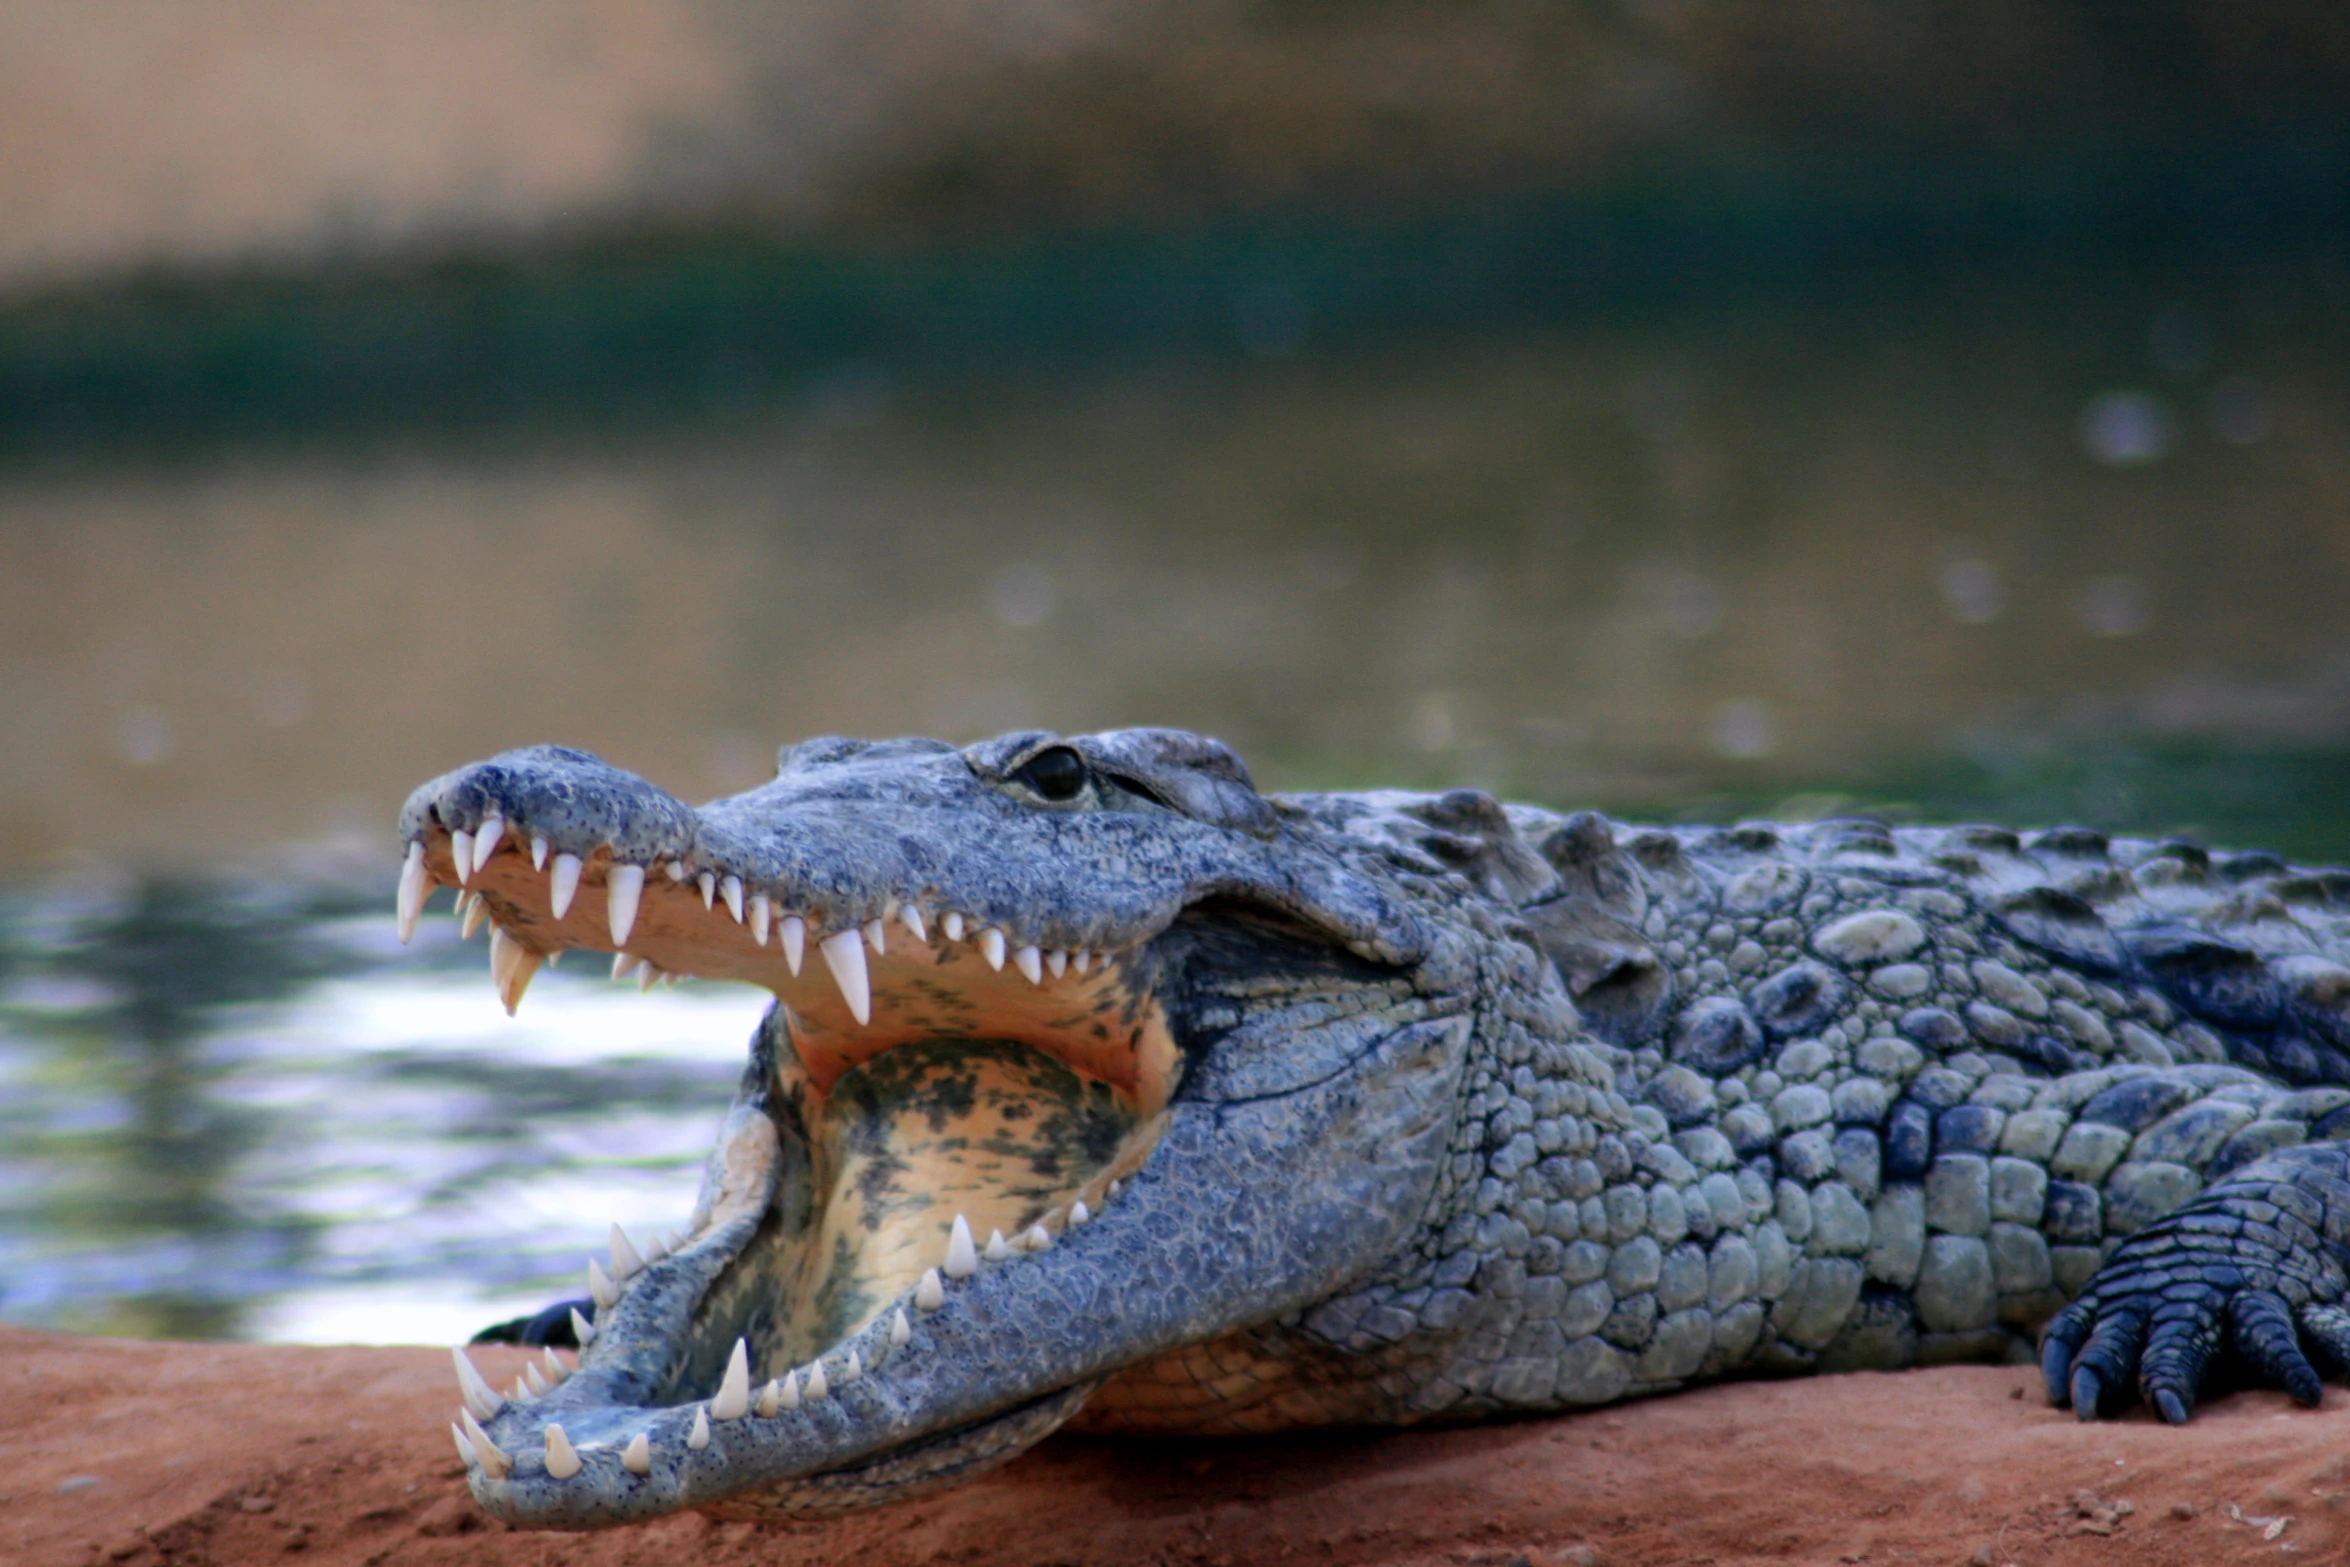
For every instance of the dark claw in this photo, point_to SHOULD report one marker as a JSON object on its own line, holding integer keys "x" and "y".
{"x": 2087, "y": 1390}
{"x": 2057, "y": 1348}
{"x": 2173, "y": 1408}
{"x": 2056, "y": 1370}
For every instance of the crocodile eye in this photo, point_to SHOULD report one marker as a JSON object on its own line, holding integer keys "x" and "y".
{"x": 1057, "y": 774}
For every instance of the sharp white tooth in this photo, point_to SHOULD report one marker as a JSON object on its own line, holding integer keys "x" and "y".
{"x": 475, "y": 912}
{"x": 493, "y": 1457}
{"x": 997, "y": 1251}
{"x": 637, "y": 1456}
{"x": 626, "y": 1259}
{"x": 520, "y": 1392}
{"x": 817, "y": 1386}
{"x": 900, "y": 1330}
{"x": 563, "y": 885}
{"x": 480, "y": 1397}
{"x": 991, "y": 947}
{"x": 673, "y": 1240}
{"x": 731, "y": 889}
{"x": 556, "y": 1370}
{"x": 930, "y": 1294}
{"x": 555, "y": 957}
{"x": 538, "y": 851}
{"x": 465, "y": 1452}
{"x": 1039, "y": 1237}
{"x": 795, "y": 941}
{"x": 877, "y": 937}
{"x": 485, "y": 842}
{"x": 1056, "y": 962}
{"x": 1083, "y": 960}
{"x": 537, "y": 1384}
{"x": 521, "y": 965}
{"x": 699, "y": 1437}
{"x": 708, "y": 882}
{"x": 734, "y": 1389}
{"x": 677, "y": 870}
{"x": 1031, "y": 963}
{"x": 762, "y": 915}
{"x": 461, "y": 855}
{"x": 911, "y": 917}
{"x": 601, "y": 1289}
{"x": 415, "y": 885}
{"x": 656, "y": 1248}
{"x": 626, "y": 884}
{"x": 789, "y": 1396}
{"x": 846, "y": 958}
{"x": 952, "y": 924}
{"x": 1079, "y": 1213}
{"x": 624, "y": 964}
{"x": 582, "y": 1330}
{"x": 646, "y": 978}
{"x": 562, "y": 1458}
{"x": 769, "y": 1401}
{"x": 962, "y": 1257}
{"x": 853, "y": 1367}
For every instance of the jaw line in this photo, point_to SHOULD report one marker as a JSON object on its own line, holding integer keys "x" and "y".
{"x": 655, "y": 1359}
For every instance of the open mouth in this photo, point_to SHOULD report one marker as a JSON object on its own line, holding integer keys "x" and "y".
{"x": 937, "y": 1097}
{"x": 1062, "y": 1107}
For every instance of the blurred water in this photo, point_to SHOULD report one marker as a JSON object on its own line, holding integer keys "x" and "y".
{"x": 376, "y": 1156}
{"x": 2072, "y": 545}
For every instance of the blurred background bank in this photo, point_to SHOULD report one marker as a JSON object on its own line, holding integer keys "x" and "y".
{"x": 1686, "y": 407}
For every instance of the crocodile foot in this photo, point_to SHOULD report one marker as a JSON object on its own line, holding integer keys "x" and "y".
{"x": 2258, "y": 1265}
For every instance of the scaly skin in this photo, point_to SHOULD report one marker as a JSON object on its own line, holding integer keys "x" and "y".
{"x": 1389, "y": 1108}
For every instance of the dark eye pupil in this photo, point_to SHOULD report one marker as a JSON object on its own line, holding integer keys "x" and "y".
{"x": 1056, "y": 774}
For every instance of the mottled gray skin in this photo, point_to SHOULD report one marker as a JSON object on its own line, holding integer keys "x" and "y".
{"x": 1496, "y": 1111}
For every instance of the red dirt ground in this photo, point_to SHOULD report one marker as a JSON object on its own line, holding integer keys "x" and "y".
{"x": 122, "y": 1454}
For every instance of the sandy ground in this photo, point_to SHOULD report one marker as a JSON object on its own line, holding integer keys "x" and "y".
{"x": 115, "y": 1452}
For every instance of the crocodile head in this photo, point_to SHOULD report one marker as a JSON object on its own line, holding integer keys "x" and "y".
{"x": 1091, "y": 1072}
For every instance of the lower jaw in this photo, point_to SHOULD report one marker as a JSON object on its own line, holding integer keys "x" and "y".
{"x": 934, "y": 1463}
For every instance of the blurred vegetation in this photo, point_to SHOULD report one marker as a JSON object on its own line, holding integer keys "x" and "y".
{"x": 686, "y": 327}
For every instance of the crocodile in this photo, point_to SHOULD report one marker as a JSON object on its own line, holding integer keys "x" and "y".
{"x": 1102, "y": 1090}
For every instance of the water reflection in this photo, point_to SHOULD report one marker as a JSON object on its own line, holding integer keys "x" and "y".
{"x": 222, "y": 1118}
{"x": 123, "y": 1136}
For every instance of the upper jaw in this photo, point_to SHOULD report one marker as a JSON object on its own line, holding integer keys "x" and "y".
{"x": 905, "y": 844}
{"x": 771, "y": 887}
